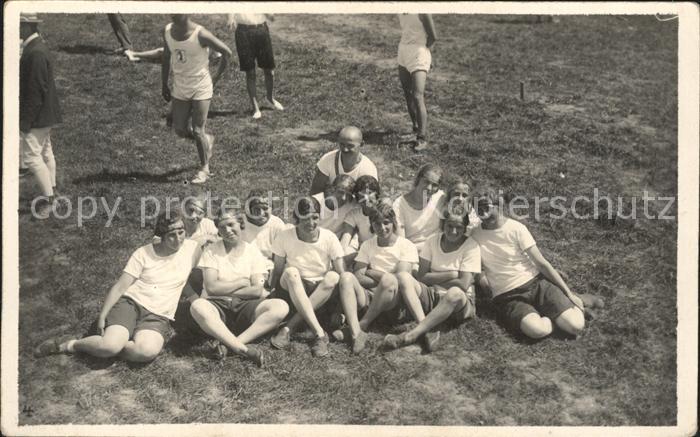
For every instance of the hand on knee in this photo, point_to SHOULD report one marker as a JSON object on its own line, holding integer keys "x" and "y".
{"x": 535, "y": 326}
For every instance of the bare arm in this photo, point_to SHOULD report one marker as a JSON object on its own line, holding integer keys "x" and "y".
{"x": 463, "y": 282}
{"x": 361, "y": 273}
{"x": 117, "y": 290}
{"x": 207, "y": 39}
{"x": 429, "y": 26}
{"x": 318, "y": 183}
{"x": 255, "y": 290}
{"x": 347, "y": 231}
{"x": 339, "y": 265}
{"x": 277, "y": 271}
{"x": 165, "y": 70}
{"x": 404, "y": 266}
{"x": 216, "y": 287}
{"x": 551, "y": 274}
{"x": 432, "y": 278}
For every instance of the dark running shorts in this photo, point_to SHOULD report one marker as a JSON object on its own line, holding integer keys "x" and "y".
{"x": 430, "y": 298}
{"x": 134, "y": 317}
{"x": 253, "y": 43}
{"x": 536, "y": 296}
{"x": 237, "y": 313}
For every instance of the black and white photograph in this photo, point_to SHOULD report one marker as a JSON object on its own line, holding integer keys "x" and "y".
{"x": 346, "y": 218}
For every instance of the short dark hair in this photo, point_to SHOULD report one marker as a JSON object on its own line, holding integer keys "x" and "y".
{"x": 166, "y": 219}
{"x": 224, "y": 213}
{"x": 382, "y": 212}
{"x": 344, "y": 182}
{"x": 305, "y": 206}
{"x": 366, "y": 183}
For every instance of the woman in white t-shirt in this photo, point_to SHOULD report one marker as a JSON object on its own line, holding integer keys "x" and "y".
{"x": 136, "y": 314}
{"x": 382, "y": 272}
{"x": 528, "y": 293}
{"x": 418, "y": 212}
{"x": 444, "y": 287}
{"x": 261, "y": 226}
{"x": 233, "y": 308}
{"x": 346, "y": 160}
{"x": 308, "y": 264}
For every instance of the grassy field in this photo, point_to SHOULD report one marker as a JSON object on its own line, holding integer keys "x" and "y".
{"x": 599, "y": 110}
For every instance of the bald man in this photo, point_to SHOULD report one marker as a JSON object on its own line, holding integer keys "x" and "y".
{"x": 346, "y": 160}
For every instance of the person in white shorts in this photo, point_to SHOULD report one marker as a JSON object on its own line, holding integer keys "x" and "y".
{"x": 346, "y": 160}
{"x": 186, "y": 53}
{"x": 417, "y": 39}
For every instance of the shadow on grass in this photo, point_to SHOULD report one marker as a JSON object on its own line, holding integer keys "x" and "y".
{"x": 84, "y": 49}
{"x": 110, "y": 176}
{"x": 215, "y": 114}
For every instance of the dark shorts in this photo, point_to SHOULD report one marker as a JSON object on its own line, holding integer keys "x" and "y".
{"x": 430, "y": 298}
{"x": 536, "y": 296}
{"x": 134, "y": 317}
{"x": 237, "y": 313}
{"x": 253, "y": 43}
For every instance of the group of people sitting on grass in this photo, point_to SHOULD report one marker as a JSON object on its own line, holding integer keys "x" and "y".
{"x": 352, "y": 257}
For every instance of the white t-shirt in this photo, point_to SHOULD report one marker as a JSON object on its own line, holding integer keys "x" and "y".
{"x": 386, "y": 259}
{"x": 412, "y": 30}
{"x": 327, "y": 164}
{"x": 466, "y": 258}
{"x": 242, "y": 262}
{"x": 333, "y": 219}
{"x": 160, "y": 279}
{"x": 263, "y": 236}
{"x": 312, "y": 260}
{"x": 205, "y": 227}
{"x": 360, "y": 222}
{"x": 419, "y": 224}
{"x": 506, "y": 264}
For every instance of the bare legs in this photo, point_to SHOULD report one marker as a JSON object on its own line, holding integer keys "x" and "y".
{"x": 413, "y": 85}
{"x": 145, "y": 346}
{"x": 305, "y": 305}
{"x": 196, "y": 109}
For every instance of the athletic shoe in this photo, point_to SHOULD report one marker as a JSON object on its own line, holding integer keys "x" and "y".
{"x": 420, "y": 146}
{"x": 320, "y": 346}
{"x": 273, "y": 104}
{"x": 281, "y": 339}
{"x": 130, "y": 56}
{"x": 392, "y": 341}
{"x": 255, "y": 355}
{"x": 430, "y": 340}
{"x": 257, "y": 115}
{"x": 51, "y": 346}
{"x": 210, "y": 150}
{"x": 220, "y": 350}
{"x": 202, "y": 177}
{"x": 359, "y": 342}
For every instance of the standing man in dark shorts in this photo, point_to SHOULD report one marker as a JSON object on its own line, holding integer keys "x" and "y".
{"x": 253, "y": 44}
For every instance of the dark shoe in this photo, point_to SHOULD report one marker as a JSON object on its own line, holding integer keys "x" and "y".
{"x": 23, "y": 171}
{"x": 430, "y": 340}
{"x": 392, "y": 341}
{"x": 219, "y": 350}
{"x": 359, "y": 342}
{"x": 255, "y": 355}
{"x": 281, "y": 339}
{"x": 320, "y": 346}
{"x": 51, "y": 346}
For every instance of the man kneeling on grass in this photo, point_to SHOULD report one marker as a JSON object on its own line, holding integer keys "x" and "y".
{"x": 135, "y": 317}
{"x": 529, "y": 294}
{"x": 233, "y": 300}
